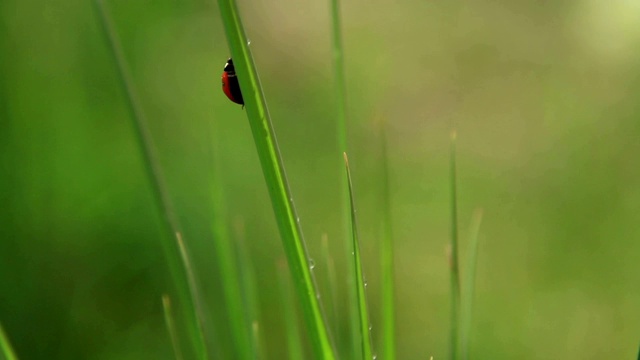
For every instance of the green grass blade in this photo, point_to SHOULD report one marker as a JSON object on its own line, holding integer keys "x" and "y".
{"x": 5, "y": 346}
{"x": 192, "y": 285}
{"x": 341, "y": 102}
{"x": 453, "y": 255}
{"x": 239, "y": 324}
{"x": 250, "y": 295}
{"x": 184, "y": 288}
{"x": 387, "y": 261}
{"x": 363, "y": 312}
{"x": 171, "y": 326}
{"x": 338, "y": 68}
{"x": 331, "y": 282}
{"x": 469, "y": 281}
{"x": 294, "y": 341}
{"x": 275, "y": 178}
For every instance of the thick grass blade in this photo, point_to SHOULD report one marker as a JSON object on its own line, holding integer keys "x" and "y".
{"x": 387, "y": 261}
{"x": 5, "y": 346}
{"x": 453, "y": 256}
{"x": 363, "y": 312}
{"x": 186, "y": 292}
{"x": 294, "y": 340}
{"x": 469, "y": 281}
{"x": 171, "y": 326}
{"x": 275, "y": 178}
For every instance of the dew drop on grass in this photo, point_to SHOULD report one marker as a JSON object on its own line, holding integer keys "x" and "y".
{"x": 375, "y": 357}
{"x": 312, "y": 264}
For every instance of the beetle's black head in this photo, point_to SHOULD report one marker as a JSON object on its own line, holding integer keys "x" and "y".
{"x": 228, "y": 67}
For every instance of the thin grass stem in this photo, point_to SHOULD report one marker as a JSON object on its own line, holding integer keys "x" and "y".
{"x": 169, "y": 322}
{"x": 294, "y": 340}
{"x": 248, "y": 284}
{"x": 186, "y": 293}
{"x": 469, "y": 281}
{"x": 331, "y": 285}
{"x": 363, "y": 312}
{"x": 453, "y": 255}
{"x": 341, "y": 127}
{"x": 387, "y": 259}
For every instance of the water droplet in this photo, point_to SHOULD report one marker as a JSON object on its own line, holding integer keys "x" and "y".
{"x": 375, "y": 356}
{"x": 298, "y": 219}
{"x": 248, "y": 42}
{"x": 312, "y": 264}
{"x": 370, "y": 327}
{"x": 366, "y": 283}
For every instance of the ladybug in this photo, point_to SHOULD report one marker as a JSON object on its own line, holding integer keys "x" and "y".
{"x": 230, "y": 84}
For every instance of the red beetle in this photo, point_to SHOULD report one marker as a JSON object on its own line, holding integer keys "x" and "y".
{"x": 230, "y": 84}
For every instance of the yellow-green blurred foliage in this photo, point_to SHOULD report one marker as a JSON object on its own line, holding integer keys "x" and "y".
{"x": 545, "y": 96}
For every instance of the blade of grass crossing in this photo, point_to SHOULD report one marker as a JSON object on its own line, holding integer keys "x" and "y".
{"x": 185, "y": 292}
{"x": 387, "y": 261}
{"x": 171, "y": 326}
{"x": 363, "y": 313}
{"x": 470, "y": 279}
{"x": 5, "y": 346}
{"x": 275, "y": 178}
{"x": 453, "y": 258}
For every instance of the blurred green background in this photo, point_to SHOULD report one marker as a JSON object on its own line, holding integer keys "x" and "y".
{"x": 545, "y": 97}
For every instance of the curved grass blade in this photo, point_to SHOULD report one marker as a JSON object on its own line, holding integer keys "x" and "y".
{"x": 470, "y": 280}
{"x": 363, "y": 312}
{"x": 453, "y": 256}
{"x": 5, "y": 346}
{"x": 275, "y": 178}
{"x": 186, "y": 292}
{"x": 387, "y": 261}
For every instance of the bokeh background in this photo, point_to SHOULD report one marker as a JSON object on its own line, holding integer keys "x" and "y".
{"x": 545, "y": 97}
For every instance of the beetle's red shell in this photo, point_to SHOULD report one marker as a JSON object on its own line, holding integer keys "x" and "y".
{"x": 230, "y": 85}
